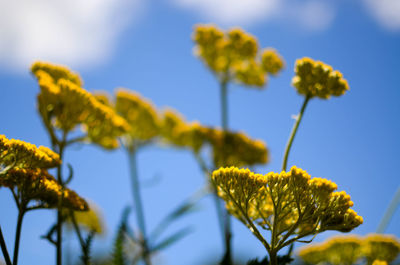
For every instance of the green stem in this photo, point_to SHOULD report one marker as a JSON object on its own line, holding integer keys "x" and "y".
{"x": 273, "y": 259}
{"x": 61, "y": 146}
{"x": 4, "y": 249}
{"x": 293, "y": 133}
{"x": 21, "y": 213}
{"x": 138, "y": 203}
{"x": 389, "y": 212}
{"x": 224, "y": 105}
{"x": 85, "y": 257}
{"x": 227, "y": 220}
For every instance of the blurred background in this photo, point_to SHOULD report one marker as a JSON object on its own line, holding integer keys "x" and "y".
{"x": 146, "y": 46}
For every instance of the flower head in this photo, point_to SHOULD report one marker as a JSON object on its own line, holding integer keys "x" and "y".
{"x": 290, "y": 204}
{"x": 39, "y": 185}
{"x": 140, "y": 114}
{"x": 65, "y": 104}
{"x": 233, "y": 55}
{"x": 25, "y": 155}
{"x": 317, "y": 79}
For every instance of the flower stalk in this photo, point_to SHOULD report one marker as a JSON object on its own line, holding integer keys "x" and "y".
{"x": 138, "y": 202}
{"x": 4, "y": 249}
{"x": 293, "y": 133}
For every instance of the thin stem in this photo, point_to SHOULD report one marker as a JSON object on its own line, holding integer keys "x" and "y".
{"x": 138, "y": 202}
{"x": 227, "y": 220}
{"x": 293, "y": 133}
{"x": 217, "y": 202}
{"x": 77, "y": 230}
{"x": 389, "y": 212}
{"x": 4, "y": 249}
{"x": 224, "y": 105}
{"x": 21, "y": 213}
{"x": 61, "y": 146}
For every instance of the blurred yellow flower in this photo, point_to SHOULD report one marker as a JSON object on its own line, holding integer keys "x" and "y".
{"x": 233, "y": 55}
{"x": 65, "y": 104}
{"x": 90, "y": 220}
{"x": 140, "y": 114}
{"x": 375, "y": 249}
{"x": 317, "y": 79}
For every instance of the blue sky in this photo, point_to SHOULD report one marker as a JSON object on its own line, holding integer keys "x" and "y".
{"x": 146, "y": 46}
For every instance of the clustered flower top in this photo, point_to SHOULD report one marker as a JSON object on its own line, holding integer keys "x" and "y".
{"x": 65, "y": 104}
{"x": 37, "y": 184}
{"x": 234, "y": 55}
{"x": 290, "y": 204}
{"x": 317, "y": 79}
{"x": 25, "y": 155}
{"x": 140, "y": 113}
{"x": 374, "y": 248}
{"x": 228, "y": 148}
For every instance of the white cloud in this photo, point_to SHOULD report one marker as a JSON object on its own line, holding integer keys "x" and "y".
{"x": 387, "y": 12}
{"x": 309, "y": 14}
{"x": 73, "y": 32}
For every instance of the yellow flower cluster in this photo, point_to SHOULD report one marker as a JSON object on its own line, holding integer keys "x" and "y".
{"x": 236, "y": 149}
{"x": 141, "y": 115}
{"x": 233, "y": 55}
{"x": 290, "y": 204}
{"x": 62, "y": 97}
{"x": 228, "y": 148}
{"x": 347, "y": 250}
{"x": 317, "y": 79}
{"x": 38, "y": 184}
{"x": 90, "y": 220}
{"x": 25, "y": 155}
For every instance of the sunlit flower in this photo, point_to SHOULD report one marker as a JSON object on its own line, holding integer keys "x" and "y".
{"x": 140, "y": 114}
{"x": 25, "y": 155}
{"x": 65, "y": 104}
{"x": 317, "y": 79}
{"x": 289, "y": 204}
{"x": 38, "y": 185}
{"x": 234, "y": 55}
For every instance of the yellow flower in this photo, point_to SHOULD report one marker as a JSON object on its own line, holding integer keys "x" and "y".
{"x": 104, "y": 125}
{"x": 381, "y": 247}
{"x": 271, "y": 61}
{"x": 338, "y": 250}
{"x": 250, "y": 73}
{"x": 25, "y": 155}
{"x": 90, "y": 220}
{"x": 316, "y": 79}
{"x": 236, "y": 148}
{"x": 65, "y": 104}
{"x": 56, "y": 72}
{"x": 140, "y": 114}
{"x": 291, "y": 204}
{"x": 39, "y": 185}
{"x": 233, "y": 55}
{"x": 377, "y": 249}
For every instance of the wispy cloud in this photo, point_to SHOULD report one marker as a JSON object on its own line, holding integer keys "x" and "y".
{"x": 308, "y": 14}
{"x": 387, "y": 12}
{"x": 73, "y": 32}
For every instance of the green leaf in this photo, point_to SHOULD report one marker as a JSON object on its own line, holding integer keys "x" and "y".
{"x": 172, "y": 239}
{"x": 118, "y": 255}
